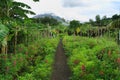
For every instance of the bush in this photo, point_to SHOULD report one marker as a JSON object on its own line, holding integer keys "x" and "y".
{"x": 92, "y": 58}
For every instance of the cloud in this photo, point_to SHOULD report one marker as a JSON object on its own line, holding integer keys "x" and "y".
{"x": 116, "y": 5}
{"x": 91, "y": 3}
{"x": 90, "y": 8}
{"x": 74, "y": 3}
{"x": 80, "y": 3}
{"x": 81, "y": 10}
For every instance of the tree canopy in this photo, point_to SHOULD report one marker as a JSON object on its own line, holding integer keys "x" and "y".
{"x": 47, "y": 20}
{"x": 74, "y": 24}
{"x": 10, "y": 9}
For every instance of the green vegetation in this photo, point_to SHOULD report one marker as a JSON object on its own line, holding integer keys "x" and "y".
{"x": 31, "y": 62}
{"x": 92, "y": 58}
{"x": 28, "y": 45}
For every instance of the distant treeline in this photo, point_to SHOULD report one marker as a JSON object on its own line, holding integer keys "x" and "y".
{"x": 104, "y": 21}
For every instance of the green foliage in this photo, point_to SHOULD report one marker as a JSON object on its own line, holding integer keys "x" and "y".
{"x": 10, "y": 65}
{"x": 92, "y": 58}
{"x": 115, "y": 17}
{"x": 21, "y": 48}
{"x": 74, "y": 24}
{"x": 31, "y": 62}
{"x": 48, "y": 20}
{"x": 27, "y": 76}
{"x": 101, "y": 22}
{"x": 3, "y": 31}
{"x": 116, "y": 24}
{"x": 89, "y": 59}
{"x": 85, "y": 28}
{"x": 11, "y": 9}
{"x": 36, "y": 0}
{"x": 98, "y": 20}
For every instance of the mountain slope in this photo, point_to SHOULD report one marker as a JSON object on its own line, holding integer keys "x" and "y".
{"x": 50, "y": 15}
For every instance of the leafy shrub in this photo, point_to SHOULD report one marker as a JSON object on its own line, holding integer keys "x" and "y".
{"x": 11, "y": 64}
{"x": 92, "y": 58}
{"x": 40, "y": 59}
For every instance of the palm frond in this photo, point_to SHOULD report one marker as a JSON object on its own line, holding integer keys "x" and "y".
{"x": 21, "y": 5}
{"x": 3, "y": 32}
{"x": 36, "y": 0}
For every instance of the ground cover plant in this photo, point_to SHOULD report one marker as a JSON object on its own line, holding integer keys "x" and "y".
{"x": 33, "y": 62}
{"x": 29, "y": 48}
{"x": 92, "y": 58}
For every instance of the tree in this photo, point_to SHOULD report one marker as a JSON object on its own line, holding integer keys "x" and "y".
{"x": 114, "y": 17}
{"x": 48, "y": 20}
{"x": 3, "y": 37}
{"x": 35, "y": 0}
{"x": 91, "y": 21}
{"x": 10, "y": 9}
{"x": 97, "y": 18}
{"x": 116, "y": 24}
{"x": 104, "y": 21}
{"x": 74, "y": 24}
{"x": 104, "y": 17}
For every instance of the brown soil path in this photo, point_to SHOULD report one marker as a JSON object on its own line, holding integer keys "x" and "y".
{"x": 61, "y": 70}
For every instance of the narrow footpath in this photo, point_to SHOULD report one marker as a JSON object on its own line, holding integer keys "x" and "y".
{"x": 61, "y": 70}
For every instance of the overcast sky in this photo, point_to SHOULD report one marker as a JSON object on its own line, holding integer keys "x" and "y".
{"x": 81, "y": 10}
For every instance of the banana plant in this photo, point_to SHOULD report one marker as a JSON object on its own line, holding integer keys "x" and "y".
{"x": 4, "y": 31}
{"x": 15, "y": 10}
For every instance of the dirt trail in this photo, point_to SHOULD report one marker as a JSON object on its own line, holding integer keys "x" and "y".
{"x": 61, "y": 70}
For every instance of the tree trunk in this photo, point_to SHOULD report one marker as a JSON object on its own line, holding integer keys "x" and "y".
{"x": 16, "y": 33}
{"x": 3, "y": 50}
{"x": 4, "y": 46}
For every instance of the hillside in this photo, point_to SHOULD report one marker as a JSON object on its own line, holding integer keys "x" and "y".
{"x": 50, "y": 15}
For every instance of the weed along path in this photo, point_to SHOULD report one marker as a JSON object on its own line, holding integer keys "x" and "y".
{"x": 61, "y": 70}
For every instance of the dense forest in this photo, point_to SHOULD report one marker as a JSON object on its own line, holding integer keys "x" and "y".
{"x": 28, "y": 45}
